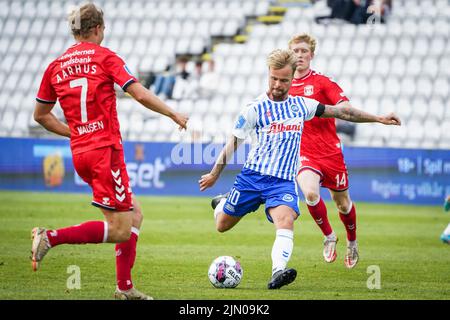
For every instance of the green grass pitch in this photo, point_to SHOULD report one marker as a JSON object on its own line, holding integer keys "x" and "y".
{"x": 178, "y": 241}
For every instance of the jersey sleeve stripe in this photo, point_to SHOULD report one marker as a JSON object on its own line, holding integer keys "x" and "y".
{"x": 44, "y": 101}
{"x": 125, "y": 86}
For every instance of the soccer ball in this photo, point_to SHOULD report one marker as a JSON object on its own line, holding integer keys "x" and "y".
{"x": 225, "y": 272}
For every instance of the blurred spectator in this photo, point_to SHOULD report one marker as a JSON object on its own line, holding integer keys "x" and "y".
{"x": 358, "y": 11}
{"x": 164, "y": 83}
{"x": 209, "y": 80}
{"x": 181, "y": 84}
{"x": 379, "y": 11}
{"x": 193, "y": 90}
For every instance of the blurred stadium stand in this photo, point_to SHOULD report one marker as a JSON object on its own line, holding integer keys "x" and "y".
{"x": 403, "y": 65}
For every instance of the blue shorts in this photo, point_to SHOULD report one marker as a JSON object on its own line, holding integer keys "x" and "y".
{"x": 251, "y": 189}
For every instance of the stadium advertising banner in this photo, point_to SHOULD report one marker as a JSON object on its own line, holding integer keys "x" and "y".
{"x": 411, "y": 176}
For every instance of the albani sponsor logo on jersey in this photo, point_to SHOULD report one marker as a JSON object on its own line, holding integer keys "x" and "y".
{"x": 281, "y": 127}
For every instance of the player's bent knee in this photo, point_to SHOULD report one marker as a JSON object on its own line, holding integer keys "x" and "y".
{"x": 343, "y": 205}
{"x": 123, "y": 235}
{"x": 311, "y": 196}
{"x": 119, "y": 233}
{"x": 343, "y": 208}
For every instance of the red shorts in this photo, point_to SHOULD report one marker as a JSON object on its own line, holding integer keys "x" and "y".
{"x": 333, "y": 171}
{"x": 105, "y": 171}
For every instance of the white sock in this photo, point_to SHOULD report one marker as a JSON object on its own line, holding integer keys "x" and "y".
{"x": 219, "y": 207}
{"x": 105, "y": 232}
{"x": 331, "y": 236}
{"x": 447, "y": 230}
{"x": 352, "y": 244}
{"x": 135, "y": 231}
{"x": 282, "y": 249}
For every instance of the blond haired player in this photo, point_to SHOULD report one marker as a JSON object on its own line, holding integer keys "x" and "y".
{"x": 276, "y": 120}
{"x": 322, "y": 161}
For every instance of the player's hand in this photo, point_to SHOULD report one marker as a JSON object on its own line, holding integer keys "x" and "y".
{"x": 207, "y": 181}
{"x": 390, "y": 119}
{"x": 180, "y": 119}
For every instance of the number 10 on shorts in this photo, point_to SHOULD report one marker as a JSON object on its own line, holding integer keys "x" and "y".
{"x": 340, "y": 181}
{"x": 234, "y": 196}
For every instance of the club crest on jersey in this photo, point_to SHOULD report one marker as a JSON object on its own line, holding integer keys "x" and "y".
{"x": 309, "y": 90}
{"x": 294, "y": 108}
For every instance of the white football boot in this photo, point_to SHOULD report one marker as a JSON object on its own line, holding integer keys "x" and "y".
{"x": 132, "y": 294}
{"x": 329, "y": 249}
{"x": 40, "y": 246}
{"x": 352, "y": 256}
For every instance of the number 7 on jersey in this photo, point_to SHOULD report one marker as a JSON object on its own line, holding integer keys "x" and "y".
{"x": 83, "y": 83}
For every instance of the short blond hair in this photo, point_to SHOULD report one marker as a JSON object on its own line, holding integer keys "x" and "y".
{"x": 83, "y": 18}
{"x": 280, "y": 58}
{"x": 304, "y": 37}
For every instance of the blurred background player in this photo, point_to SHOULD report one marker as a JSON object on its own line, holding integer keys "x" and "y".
{"x": 82, "y": 79}
{"x": 322, "y": 160}
{"x": 445, "y": 236}
{"x": 276, "y": 120}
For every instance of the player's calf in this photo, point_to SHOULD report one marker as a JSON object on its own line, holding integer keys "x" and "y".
{"x": 225, "y": 222}
{"x": 119, "y": 235}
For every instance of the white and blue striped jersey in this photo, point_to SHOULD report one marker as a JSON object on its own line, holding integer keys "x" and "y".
{"x": 276, "y": 128}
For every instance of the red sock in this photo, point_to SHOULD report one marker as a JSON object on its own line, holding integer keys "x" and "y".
{"x": 125, "y": 256}
{"x": 87, "y": 232}
{"x": 319, "y": 214}
{"x": 349, "y": 221}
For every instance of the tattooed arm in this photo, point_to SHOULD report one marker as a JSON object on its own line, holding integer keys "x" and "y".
{"x": 346, "y": 112}
{"x": 209, "y": 179}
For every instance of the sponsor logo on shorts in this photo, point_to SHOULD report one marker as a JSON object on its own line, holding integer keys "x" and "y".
{"x": 288, "y": 198}
{"x": 105, "y": 201}
{"x": 229, "y": 207}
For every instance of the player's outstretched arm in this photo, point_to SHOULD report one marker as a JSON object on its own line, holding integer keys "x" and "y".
{"x": 346, "y": 112}
{"x": 209, "y": 179}
{"x": 44, "y": 116}
{"x": 149, "y": 100}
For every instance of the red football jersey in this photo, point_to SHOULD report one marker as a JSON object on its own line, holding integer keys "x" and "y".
{"x": 319, "y": 138}
{"x": 82, "y": 79}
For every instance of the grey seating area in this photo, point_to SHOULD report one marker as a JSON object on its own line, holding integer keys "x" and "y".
{"x": 401, "y": 66}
